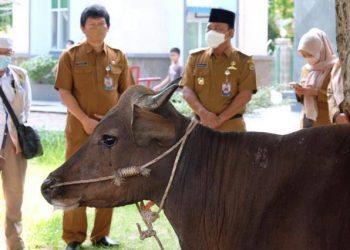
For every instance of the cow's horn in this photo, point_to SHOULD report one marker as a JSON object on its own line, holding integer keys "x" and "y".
{"x": 152, "y": 102}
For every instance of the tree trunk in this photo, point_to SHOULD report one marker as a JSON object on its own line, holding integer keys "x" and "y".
{"x": 343, "y": 43}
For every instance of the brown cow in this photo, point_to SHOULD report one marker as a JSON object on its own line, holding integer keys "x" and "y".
{"x": 230, "y": 191}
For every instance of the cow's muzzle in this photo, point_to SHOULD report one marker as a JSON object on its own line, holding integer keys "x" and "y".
{"x": 47, "y": 190}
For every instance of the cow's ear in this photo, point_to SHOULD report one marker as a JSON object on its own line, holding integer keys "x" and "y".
{"x": 148, "y": 126}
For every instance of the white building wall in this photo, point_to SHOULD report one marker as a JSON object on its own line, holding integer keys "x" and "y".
{"x": 40, "y": 27}
{"x": 137, "y": 27}
{"x": 175, "y": 17}
{"x": 20, "y": 30}
{"x": 225, "y": 4}
{"x": 253, "y": 26}
{"x": 75, "y": 9}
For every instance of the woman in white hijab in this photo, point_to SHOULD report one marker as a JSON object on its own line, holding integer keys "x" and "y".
{"x": 316, "y": 49}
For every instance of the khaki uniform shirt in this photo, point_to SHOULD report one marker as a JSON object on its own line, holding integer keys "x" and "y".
{"x": 322, "y": 103}
{"x": 205, "y": 75}
{"x": 82, "y": 71}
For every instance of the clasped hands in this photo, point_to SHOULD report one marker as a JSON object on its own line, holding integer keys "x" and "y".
{"x": 210, "y": 119}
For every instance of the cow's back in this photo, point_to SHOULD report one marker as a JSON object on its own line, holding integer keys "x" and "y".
{"x": 265, "y": 191}
{"x": 309, "y": 208}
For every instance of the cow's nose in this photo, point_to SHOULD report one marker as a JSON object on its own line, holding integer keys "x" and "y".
{"x": 46, "y": 189}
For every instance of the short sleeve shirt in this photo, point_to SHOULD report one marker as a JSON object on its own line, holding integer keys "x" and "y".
{"x": 83, "y": 71}
{"x": 175, "y": 71}
{"x": 205, "y": 75}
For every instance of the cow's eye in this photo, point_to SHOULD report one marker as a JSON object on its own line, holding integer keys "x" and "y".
{"x": 109, "y": 141}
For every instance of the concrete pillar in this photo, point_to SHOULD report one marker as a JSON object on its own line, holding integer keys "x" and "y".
{"x": 283, "y": 60}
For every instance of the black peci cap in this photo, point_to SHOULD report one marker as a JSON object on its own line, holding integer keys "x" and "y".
{"x": 222, "y": 16}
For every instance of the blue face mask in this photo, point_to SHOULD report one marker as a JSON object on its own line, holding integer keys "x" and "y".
{"x": 4, "y": 61}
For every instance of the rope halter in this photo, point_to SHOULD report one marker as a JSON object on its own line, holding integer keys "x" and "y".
{"x": 148, "y": 216}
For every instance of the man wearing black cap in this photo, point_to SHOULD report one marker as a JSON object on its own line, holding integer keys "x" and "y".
{"x": 219, "y": 81}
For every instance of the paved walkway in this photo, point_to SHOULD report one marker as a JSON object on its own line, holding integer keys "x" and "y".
{"x": 278, "y": 120}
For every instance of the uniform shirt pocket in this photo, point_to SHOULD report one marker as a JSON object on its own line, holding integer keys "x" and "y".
{"x": 115, "y": 75}
{"x": 201, "y": 78}
{"x": 82, "y": 77}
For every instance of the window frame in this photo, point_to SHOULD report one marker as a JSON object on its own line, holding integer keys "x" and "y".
{"x": 59, "y": 12}
{"x": 201, "y": 22}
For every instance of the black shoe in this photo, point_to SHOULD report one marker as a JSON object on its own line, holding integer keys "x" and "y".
{"x": 105, "y": 242}
{"x": 73, "y": 245}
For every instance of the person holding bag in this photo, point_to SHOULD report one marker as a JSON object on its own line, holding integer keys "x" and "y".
{"x": 14, "y": 83}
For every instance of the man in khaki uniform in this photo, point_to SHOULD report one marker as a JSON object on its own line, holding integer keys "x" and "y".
{"x": 91, "y": 76}
{"x": 219, "y": 81}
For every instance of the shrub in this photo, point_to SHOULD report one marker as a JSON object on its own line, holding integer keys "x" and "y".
{"x": 262, "y": 99}
{"x": 40, "y": 68}
{"x": 180, "y": 104}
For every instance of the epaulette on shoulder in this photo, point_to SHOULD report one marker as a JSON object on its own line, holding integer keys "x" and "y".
{"x": 115, "y": 49}
{"x": 75, "y": 45}
{"x": 198, "y": 50}
{"x": 244, "y": 56}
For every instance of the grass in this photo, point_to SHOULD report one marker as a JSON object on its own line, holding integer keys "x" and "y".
{"x": 43, "y": 226}
{"x": 54, "y": 145}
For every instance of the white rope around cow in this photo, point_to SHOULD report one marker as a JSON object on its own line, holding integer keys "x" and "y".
{"x": 133, "y": 170}
{"x": 148, "y": 216}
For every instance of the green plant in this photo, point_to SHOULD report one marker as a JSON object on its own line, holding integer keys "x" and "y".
{"x": 54, "y": 147}
{"x": 281, "y": 16}
{"x": 262, "y": 99}
{"x": 40, "y": 68}
{"x": 180, "y": 104}
{"x": 5, "y": 15}
{"x": 46, "y": 232}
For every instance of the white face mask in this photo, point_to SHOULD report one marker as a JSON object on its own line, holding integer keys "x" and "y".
{"x": 214, "y": 38}
{"x": 312, "y": 60}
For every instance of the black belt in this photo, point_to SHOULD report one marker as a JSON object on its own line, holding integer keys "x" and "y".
{"x": 232, "y": 118}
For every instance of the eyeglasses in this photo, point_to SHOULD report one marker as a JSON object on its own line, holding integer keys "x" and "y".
{"x": 96, "y": 26}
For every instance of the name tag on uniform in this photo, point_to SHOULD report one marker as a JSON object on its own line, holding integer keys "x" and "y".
{"x": 81, "y": 63}
{"x": 226, "y": 89}
{"x": 202, "y": 65}
{"x": 108, "y": 82}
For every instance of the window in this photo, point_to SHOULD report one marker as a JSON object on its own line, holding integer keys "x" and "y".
{"x": 196, "y": 29}
{"x": 59, "y": 22}
{"x": 196, "y": 23}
